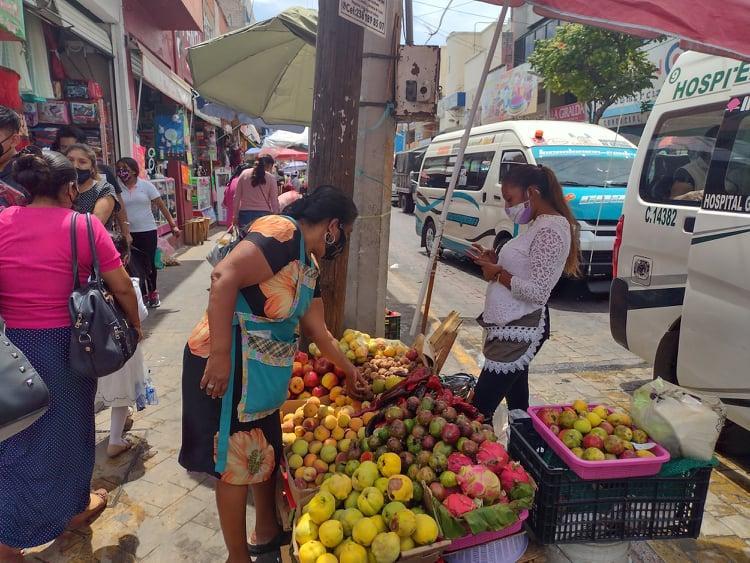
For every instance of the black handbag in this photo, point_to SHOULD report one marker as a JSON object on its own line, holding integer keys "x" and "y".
{"x": 101, "y": 339}
{"x": 23, "y": 395}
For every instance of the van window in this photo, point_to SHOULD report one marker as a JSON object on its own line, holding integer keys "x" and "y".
{"x": 437, "y": 170}
{"x": 508, "y": 159}
{"x": 678, "y": 155}
{"x": 730, "y": 165}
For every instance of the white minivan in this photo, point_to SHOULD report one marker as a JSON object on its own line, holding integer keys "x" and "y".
{"x": 681, "y": 293}
{"x": 591, "y": 162}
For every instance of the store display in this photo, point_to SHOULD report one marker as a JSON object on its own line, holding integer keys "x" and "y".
{"x": 31, "y": 113}
{"x": 84, "y": 114}
{"x": 598, "y": 442}
{"x": 53, "y": 112}
{"x": 76, "y": 90}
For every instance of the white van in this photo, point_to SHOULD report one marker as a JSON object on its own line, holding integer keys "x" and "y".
{"x": 681, "y": 294}
{"x": 591, "y": 162}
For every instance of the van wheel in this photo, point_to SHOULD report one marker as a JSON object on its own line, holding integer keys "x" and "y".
{"x": 428, "y": 238}
{"x": 407, "y": 204}
{"x": 734, "y": 441}
{"x": 665, "y": 362}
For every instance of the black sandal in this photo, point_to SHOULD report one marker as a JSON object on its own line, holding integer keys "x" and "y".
{"x": 282, "y": 538}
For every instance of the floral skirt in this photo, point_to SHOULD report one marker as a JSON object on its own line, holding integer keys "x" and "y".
{"x": 254, "y": 447}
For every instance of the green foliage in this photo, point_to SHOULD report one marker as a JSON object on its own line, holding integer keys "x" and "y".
{"x": 594, "y": 64}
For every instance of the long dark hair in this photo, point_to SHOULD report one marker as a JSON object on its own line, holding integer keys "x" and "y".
{"x": 259, "y": 172}
{"x": 323, "y": 204}
{"x": 543, "y": 178}
{"x": 131, "y": 163}
{"x": 45, "y": 175}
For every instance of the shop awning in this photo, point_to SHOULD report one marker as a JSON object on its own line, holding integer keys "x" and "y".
{"x": 11, "y": 20}
{"x": 160, "y": 76}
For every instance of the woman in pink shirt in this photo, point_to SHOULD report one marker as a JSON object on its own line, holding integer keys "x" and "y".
{"x": 45, "y": 470}
{"x": 228, "y": 202}
{"x": 257, "y": 194}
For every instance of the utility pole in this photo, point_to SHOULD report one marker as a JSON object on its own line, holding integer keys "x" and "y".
{"x": 366, "y": 285}
{"x": 333, "y": 132}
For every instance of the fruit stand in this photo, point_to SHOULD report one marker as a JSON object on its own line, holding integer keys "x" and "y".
{"x": 415, "y": 474}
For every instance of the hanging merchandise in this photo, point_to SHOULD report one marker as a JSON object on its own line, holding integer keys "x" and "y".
{"x": 170, "y": 135}
{"x": 37, "y": 58}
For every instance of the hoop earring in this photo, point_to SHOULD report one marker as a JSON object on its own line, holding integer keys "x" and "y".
{"x": 329, "y": 239}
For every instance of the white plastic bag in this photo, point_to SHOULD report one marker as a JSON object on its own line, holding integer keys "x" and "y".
{"x": 685, "y": 423}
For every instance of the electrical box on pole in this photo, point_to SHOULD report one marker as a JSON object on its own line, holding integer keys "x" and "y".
{"x": 417, "y": 75}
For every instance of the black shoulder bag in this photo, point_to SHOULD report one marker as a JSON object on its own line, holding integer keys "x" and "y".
{"x": 23, "y": 395}
{"x": 101, "y": 340}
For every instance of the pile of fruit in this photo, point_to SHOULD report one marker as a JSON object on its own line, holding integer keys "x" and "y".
{"x": 322, "y": 439}
{"x": 358, "y": 346}
{"x": 314, "y": 377}
{"x": 456, "y": 457}
{"x": 384, "y": 372}
{"x": 596, "y": 433}
{"x": 370, "y": 514}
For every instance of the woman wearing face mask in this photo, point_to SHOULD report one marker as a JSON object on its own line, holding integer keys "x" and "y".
{"x": 45, "y": 470}
{"x": 95, "y": 194}
{"x": 140, "y": 197}
{"x": 522, "y": 275}
{"x": 261, "y": 293}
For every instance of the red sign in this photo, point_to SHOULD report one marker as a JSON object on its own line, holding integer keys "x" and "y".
{"x": 570, "y": 112}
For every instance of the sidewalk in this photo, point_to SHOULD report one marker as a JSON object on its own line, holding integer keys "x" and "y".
{"x": 158, "y": 512}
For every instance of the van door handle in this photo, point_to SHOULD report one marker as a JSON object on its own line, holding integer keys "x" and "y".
{"x": 689, "y": 225}
{"x": 498, "y": 197}
{"x": 484, "y": 197}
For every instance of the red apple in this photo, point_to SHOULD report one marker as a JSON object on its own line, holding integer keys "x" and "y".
{"x": 412, "y": 355}
{"x": 366, "y": 456}
{"x": 307, "y": 367}
{"x": 321, "y": 366}
{"x": 311, "y": 380}
{"x": 301, "y": 357}
{"x": 628, "y": 454}
{"x": 319, "y": 391}
{"x": 592, "y": 441}
{"x": 340, "y": 373}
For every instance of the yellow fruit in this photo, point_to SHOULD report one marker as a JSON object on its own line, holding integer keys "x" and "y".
{"x": 324, "y": 411}
{"x": 350, "y": 434}
{"x": 322, "y": 433}
{"x": 340, "y": 485}
{"x": 321, "y": 507}
{"x": 340, "y": 547}
{"x": 340, "y": 401}
{"x": 288, "y": 417}
{"x": 580, "y": 406}
{"x": 338, "y": 433}
{"x": 355, "y": 424}
{"x": 335, "y": 392}
{"x": 371, "y": 501}
{"x": 601, "y": 411}
{"x": 644, "y": 453}
{"x": 400, "y": 488}
{"x": 386, "y": 547}
{"x": 594, "y": 419}
{"x": 391, "y": 381}
{"x": 364, "y": 531}
{"x": 353, "y": 553}
{"x": 344, "y": 420}
{"x": 404, "y": 523}
{"x": 379, "y": 522}
{"x": 389, "y": 351}
{"x": 311, "y": 408}
{"x": 306, "y": 530}
{"x": 329, "y": 422}
{"x": 389, "y": 464}
{"x": 367, "y": 417}
{"x": 407, "y": 544}
{"x": 349, "y": 519}
{"x": 309, "y": 552}
{"x": 288, "y": 438}
{"x": 327, "y": 558}
{"x": 426, "y": 531}
{"x": 331, "y": 533}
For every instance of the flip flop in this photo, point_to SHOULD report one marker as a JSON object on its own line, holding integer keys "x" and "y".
{"x": 92, "y": 514}
{"x": 282, "y": 538}
{"x": 114, "y": 450}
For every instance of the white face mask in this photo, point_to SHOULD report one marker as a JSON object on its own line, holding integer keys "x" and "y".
{"x": 520, "y": 214}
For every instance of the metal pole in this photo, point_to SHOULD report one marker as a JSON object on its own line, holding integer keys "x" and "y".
{"x": 409, "y": 21}
{"x": 428, "y": 279}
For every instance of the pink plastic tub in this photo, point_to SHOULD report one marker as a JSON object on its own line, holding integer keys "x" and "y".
{"x": 608, "y": 469}
{"x": 486, "y": 537}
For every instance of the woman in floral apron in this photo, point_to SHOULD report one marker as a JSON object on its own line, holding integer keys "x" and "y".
{"x": 262, "y": 293}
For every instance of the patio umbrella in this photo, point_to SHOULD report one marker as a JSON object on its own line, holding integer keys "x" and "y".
{"x": 264, "y": 70}
{"x": 294, "y": 166}
{"x": 283, "y": 154}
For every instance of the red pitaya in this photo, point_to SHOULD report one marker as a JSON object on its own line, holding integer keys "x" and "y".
{"x": 493, "y": 456}
{"x": 479, "y": 482}
{"x": 458, "y": 505}
{"x": 512, "y": 475}
{"x": 456, "y": 461}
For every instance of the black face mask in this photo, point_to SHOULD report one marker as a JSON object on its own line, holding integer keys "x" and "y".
{"x": 83, "y": 175}
{"x": 334, "y": 249}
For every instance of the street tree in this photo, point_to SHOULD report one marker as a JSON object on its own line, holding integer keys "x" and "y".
{"x": 596, "y": 65}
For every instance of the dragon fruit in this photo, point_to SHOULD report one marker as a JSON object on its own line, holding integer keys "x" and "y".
{"x": 458, "y": 505}
{"x": 479, "y": 482}
{"x": 456, "y": 461}
{"x": 512, "y": 475}
{"x": 493, "y": 456}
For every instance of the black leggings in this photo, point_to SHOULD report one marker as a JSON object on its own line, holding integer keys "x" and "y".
{"x": 492, "y": 388}
{"x": 146, "y": 242}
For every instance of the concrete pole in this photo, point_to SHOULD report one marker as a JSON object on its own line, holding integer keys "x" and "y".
{"x": 366, "y": 284}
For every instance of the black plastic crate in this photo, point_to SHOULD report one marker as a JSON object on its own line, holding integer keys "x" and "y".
{"x": 568, "y": 509}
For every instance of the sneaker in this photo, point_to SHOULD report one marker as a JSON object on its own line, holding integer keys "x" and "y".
{"x": 153, "y": 300}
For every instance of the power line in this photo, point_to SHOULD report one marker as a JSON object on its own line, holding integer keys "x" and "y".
{"x": 440, "y": 23}
{"x": 446, "y": 8}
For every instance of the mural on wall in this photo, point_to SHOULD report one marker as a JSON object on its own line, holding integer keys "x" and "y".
{"x": 509, "y": 94}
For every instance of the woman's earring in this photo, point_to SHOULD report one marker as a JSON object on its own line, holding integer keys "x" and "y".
{"x": 329, "y": 240}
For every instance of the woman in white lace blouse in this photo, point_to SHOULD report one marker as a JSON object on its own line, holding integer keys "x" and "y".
{"x": 521, "y": 275}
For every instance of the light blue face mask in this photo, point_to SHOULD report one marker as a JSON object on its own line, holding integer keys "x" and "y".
{"x": 520, "y": 214}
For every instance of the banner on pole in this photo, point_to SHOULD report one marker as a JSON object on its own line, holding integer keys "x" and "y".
{"x": 369, "y": 14}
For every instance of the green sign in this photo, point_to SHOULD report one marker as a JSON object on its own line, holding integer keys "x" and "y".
{"x": 11, "y": 20}
{"x": 686, "y": 87}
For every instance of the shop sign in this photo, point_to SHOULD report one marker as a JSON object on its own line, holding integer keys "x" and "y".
{"x": 624, "y": 120}
{"x": 11, "y": 20}
{"x": 509, "y": 94}
{"x": 170, "y": 135}
{"x": 569, "y": 112}
{"x": 369, "y": 14}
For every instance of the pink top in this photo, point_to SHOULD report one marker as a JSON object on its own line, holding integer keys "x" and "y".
{"x": 288, "y": 197}
{"x": 263, "y": 197}
{"x": 36, "y": 264}
{"x": 228, "y": 201}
